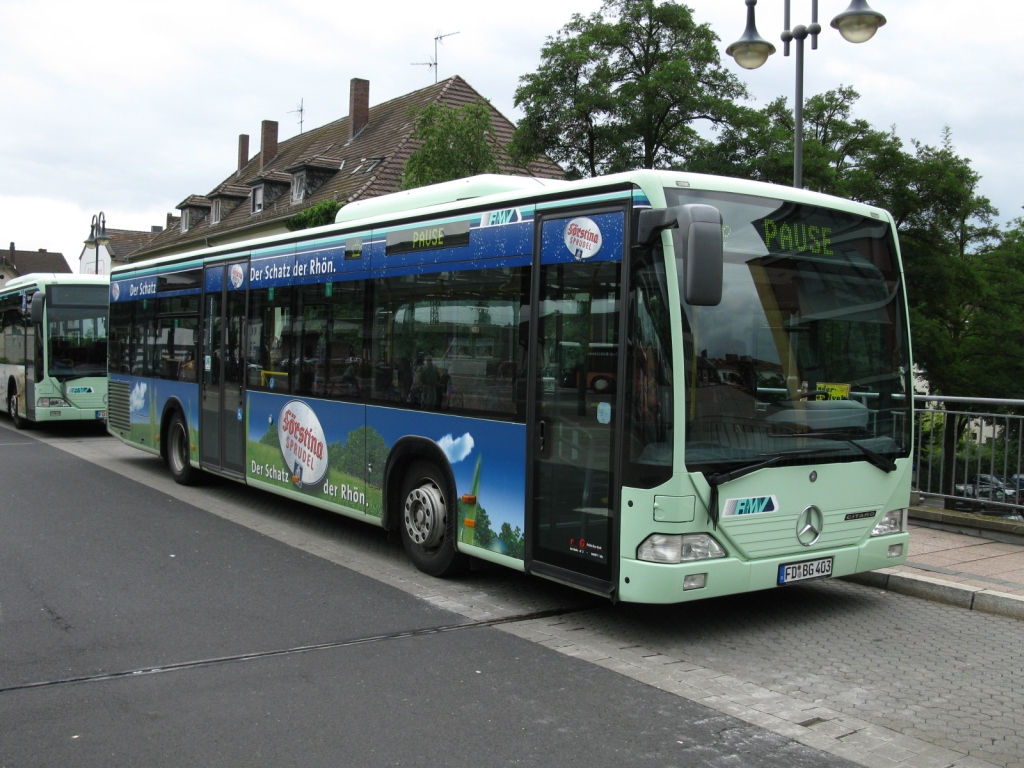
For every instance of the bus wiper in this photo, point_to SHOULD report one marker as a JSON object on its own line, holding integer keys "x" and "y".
{"x": 718, "y": 478}
{"x": 884, "y": 463}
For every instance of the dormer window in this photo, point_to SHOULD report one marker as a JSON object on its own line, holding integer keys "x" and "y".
{"x": 298, "y": 187}
{"x": 310, "y": 174}
{"x": 215, "y": 213}
{"x": 194, "y": 209}
{"x": 257, "y": 199}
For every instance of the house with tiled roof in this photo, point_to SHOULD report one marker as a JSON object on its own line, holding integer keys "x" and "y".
{"x": 361, "y": 155}
{"x": 123, "y": 243}
{"x": 14, "y": 263}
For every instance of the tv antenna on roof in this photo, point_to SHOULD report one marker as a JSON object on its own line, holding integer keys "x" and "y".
{"x": 301, "y": 112}
{"x": 433, "y": 62}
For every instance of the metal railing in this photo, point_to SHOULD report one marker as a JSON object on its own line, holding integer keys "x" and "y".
{"x": 968, "y": 455}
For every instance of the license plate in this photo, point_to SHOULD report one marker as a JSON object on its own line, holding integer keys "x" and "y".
{"x": 101, "y": 414}
{"x": 811, "y": 569}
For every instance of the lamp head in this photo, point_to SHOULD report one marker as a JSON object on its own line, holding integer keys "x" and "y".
{"x": 859, "y": 22}
{"x": 101, "y": 237}
{"x": 751, "y": 50}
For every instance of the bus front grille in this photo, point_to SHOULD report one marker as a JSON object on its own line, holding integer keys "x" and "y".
{"x": 118, "y": 409}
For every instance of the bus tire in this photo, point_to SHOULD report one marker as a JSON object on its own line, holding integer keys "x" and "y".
{"x": 179, "y": 451}
{"x": 427, "y": 523}
{"x": 12, "y": 409}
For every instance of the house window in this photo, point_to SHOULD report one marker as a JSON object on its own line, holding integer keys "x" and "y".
{"x": 257, "y": 199}
{"x": 184, "y": 219}
{"x": 298, "y": 187}
{"x": 216, "y": 212}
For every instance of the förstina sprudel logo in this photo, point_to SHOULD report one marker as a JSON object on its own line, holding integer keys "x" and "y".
{"x": 236, "y": 275}
{"x": 583, "y": 237}
{"x": 115, "y": 291}
{"x": 303, "y": 444}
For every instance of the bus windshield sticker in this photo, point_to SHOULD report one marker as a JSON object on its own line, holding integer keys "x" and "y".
{"x": 453, "y": 234}
{"x": 751, "y": 506}
{"x": 828, "y": 391}
{"x": 583, "y": 238}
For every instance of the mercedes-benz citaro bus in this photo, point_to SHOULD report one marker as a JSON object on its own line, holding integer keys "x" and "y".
{"x": 53, "y": 348}
{"x": 423, "y": 364}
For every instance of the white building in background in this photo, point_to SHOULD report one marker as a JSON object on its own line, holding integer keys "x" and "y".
{"x": 123, "y": 243}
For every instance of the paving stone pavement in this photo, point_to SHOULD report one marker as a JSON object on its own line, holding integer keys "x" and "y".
{"x": 856, "y": 669}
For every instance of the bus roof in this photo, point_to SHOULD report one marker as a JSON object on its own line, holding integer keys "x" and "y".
{"x": 42, "y": 279}
{"x": 449, "y": 198}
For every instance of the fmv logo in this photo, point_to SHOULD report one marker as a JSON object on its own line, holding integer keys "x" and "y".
{"x": 752, "y": 506}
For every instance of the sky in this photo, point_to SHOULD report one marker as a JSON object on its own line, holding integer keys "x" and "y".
{"x": 128, "y": 108}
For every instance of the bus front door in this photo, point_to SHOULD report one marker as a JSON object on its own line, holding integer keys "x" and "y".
{"x": 572, "y": 520}
{"x": 222, "y": 396}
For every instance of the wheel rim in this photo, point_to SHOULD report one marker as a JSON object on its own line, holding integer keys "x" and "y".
{"x": 179, "y": 448}
{"x": 425, "y": 516}
{"x": 12, "y": 407}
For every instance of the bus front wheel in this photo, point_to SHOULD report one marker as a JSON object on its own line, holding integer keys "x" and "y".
{"x": 12, "y": 409}
{"x": 428, "y": 523}
{"x": 179, "y": 452}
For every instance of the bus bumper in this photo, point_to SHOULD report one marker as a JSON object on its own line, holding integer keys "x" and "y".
{"x": 643, "y": 582}
{"x": 70, "y": 414}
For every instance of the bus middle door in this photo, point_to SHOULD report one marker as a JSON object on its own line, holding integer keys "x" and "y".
{"x": 222, "y": 396}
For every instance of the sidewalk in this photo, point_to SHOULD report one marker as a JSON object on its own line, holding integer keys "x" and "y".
{"x": 961, "y": 559}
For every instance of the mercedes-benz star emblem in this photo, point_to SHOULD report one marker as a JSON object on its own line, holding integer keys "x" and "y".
{"x": 809, "y": 525}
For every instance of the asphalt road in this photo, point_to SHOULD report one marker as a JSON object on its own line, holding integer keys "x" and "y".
{"x": 137, "y": 628}
{"x": 879, "y": 678}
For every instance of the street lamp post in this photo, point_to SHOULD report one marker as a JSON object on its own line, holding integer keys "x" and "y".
{"x": 97, "y": 236}
{"x": 857, "y": 24}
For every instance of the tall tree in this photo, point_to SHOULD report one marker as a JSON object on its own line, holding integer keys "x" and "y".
{"x": 624, "y": 88}
{"x": 843, "y": 155}
{"x": 947, "y": 238}
{"x": 456, "y": 142}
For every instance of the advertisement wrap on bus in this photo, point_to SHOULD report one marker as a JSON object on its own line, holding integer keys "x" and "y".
{"x": 568, "y": 382}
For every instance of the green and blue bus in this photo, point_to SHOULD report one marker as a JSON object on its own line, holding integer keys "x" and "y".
{"x": 53, "y": 348}
{"x": 653, "y": 386}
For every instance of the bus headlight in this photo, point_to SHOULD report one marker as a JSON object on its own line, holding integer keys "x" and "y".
{"x": 893, "y": 522}
{"x": 52, "y": 402}
{"x": 679, "y": 548}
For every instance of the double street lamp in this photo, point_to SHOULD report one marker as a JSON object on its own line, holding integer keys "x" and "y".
{"x": 857, "y": 24}
{"x": 98, "y": 236}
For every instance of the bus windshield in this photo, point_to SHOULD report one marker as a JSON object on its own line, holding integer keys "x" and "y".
{"x": 806, "y": 358}
{"x": 77, "y": 331}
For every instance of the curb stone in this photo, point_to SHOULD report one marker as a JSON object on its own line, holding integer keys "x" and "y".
{"x": 936, "y": 590}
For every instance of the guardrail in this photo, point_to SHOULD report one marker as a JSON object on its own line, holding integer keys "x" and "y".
{"x": 970, "y": 458}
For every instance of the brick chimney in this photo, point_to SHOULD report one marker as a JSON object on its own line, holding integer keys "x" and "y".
{"x": 268, "y": 142}
{"x": 243, "y": 150}
{"x": 358, "y": 106}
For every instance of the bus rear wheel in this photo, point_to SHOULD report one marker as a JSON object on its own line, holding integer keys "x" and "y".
{"x": 179, "y": 452}
{"x": 12, "y": 409}
{"x": 428, "y": 522}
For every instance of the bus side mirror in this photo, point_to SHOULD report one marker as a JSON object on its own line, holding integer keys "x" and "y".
{"x": 700, "y": 251}
{"x": 36, "y": 307}
{"x": 697, "y": 238}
